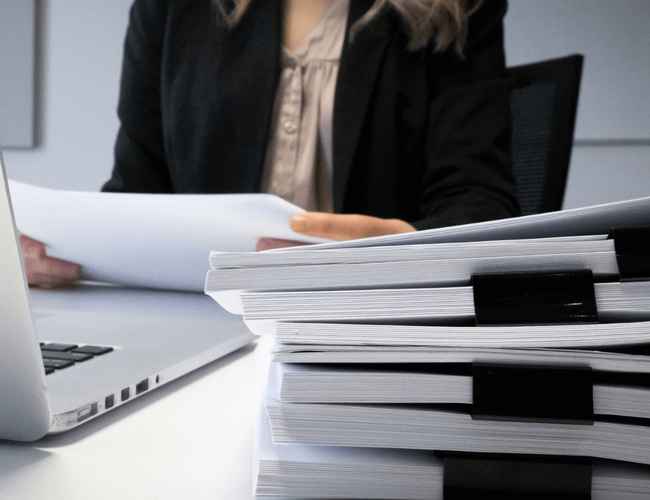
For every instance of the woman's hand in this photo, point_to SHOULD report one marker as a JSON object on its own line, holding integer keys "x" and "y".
{"x": 44, "y": 271}
{"x": 346, "y": 227}
{"x": 272, "y": 243}
{"x": 337, "y": 227}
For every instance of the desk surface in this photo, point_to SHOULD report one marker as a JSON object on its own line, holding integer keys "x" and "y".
{"x": 193, "y": 437}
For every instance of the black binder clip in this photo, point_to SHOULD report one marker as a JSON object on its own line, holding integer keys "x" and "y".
{"x": 530, "y": 393}
{"x": 632, "y": 246}
{"x": 487, "y": 477}
{"x": 542, "y": 393}
{"x": 535, "y": 298}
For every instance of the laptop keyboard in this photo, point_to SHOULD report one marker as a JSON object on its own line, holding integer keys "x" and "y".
{"x": 60, "y": 356}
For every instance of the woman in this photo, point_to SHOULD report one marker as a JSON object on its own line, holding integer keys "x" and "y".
{"x": 377, "y": 116}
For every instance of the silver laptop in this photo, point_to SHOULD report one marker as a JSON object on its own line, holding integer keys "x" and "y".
{"x": 71, "y": 355}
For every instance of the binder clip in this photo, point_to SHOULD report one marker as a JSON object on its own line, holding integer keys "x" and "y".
{"x": 489, "y": 477}
{"x": 533, "y": 393}
{"x": 632, "y": 246}
{"x": 535, "y": 298}
{"x": 539, "y": 393}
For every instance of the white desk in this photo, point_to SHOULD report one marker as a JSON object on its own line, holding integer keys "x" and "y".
{"x": 192, "y": 439}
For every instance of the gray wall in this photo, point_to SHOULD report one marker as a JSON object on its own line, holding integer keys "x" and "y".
{"x": 17, "y": 73}
{"x": 80, "y": 48}
{"x": 611, "y": 158}
{"x": 81, "y": 44}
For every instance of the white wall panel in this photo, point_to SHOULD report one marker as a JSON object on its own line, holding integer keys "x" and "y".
{"x": 615, "y": 38}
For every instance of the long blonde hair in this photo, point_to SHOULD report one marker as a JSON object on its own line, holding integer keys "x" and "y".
{"x": 425, "y": 20}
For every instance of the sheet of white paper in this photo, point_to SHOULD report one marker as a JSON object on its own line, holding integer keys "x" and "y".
{"x": 595, "y": 219}
{"x": 154, "y": 241}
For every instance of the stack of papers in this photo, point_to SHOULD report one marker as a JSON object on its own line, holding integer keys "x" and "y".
{"x": 636, "y": 361}
{"x": 317, "y": 472}
{"x": 414, "y": 269}
{"x": 420, "y": 385}
{"x": 577, "y": 335}
{"x": 333, "y": 472}
{"x": 407, "y": 348}
{"x": 446, "y": 427}
{"x": 615, "y": 301}
{"x": 573, "y": 238}
{"x": 386, "y": 426}
{"x": 327, "y": 472}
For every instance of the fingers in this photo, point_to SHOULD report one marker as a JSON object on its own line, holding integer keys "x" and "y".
{"x": 51, "y": 272}
{"x": 271, "y": 243}
{"x": 323, "y": 225}
{"x": 346, "y": 227}
{"x": 46, "y": 271}
{"x": 32, "y": 248}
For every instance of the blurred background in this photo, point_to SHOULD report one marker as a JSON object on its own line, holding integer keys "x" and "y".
{"x": 60, "y": 67}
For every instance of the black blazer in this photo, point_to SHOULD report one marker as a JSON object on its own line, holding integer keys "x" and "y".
{"x": 420, "y": 136}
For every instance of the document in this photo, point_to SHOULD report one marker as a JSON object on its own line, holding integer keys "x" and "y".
{"x": 575, "y": 335}
{"x": 594, "y": 219}
{"x": 616, "y": 301}
{"x": 145, "y": 240}
{"x": 438, "y": 428}
{"x": 448, "y": 256}
{"x": 332, "y": 472}
{"x": 404, "y": 384}
{"x": 401, "y": 274}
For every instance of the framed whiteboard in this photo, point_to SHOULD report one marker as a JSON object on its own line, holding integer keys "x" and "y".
{"x": 17, "y": 87}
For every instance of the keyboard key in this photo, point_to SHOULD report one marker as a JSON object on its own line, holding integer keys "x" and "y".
{"x": 49, "y": 370}
{"x": 59, "y": 347}
{"x": 93, "y": 349}
{"x": 57, "y": 364}
{"x": 66, "y": 356}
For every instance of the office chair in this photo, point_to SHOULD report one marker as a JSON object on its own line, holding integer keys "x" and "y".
{"x": 544, "y": 100}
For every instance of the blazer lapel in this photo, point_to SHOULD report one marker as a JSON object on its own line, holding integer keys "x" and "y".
{"x": 248, "y": 69}
{"x": 360, "y": 62}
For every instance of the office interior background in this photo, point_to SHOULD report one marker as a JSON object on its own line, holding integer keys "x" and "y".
{"x": 77, "y": 48}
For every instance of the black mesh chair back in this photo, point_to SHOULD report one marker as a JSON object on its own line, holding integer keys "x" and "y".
{"x": 544, "y": 100}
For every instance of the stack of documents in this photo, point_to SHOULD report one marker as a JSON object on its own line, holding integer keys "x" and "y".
{"x": 405, "y": 266}
{"x": 302, "y": 383}
{"x": 569, "y": 239}
{"x": 362, "y": 473}
{"x": 526, "y": 339}
{"x": 446, "y": 428}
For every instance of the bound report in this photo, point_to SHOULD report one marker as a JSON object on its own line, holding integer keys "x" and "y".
{"x": 390, "y": 274}
{"x": 614, "y": 301}
{"x": 319, "y": 472}
{"x": 623, "y": 394}
{"x": 632, "y": 360}
{"x": 452, "y": 264}
{"x": 377, "y": 426}
{"x": 507, "y": 376}
{"x": 573, "y": 335}
{"x": 553, "y": 413}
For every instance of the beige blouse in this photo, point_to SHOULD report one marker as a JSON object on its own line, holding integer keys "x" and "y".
{"x": 299, "y": 156}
